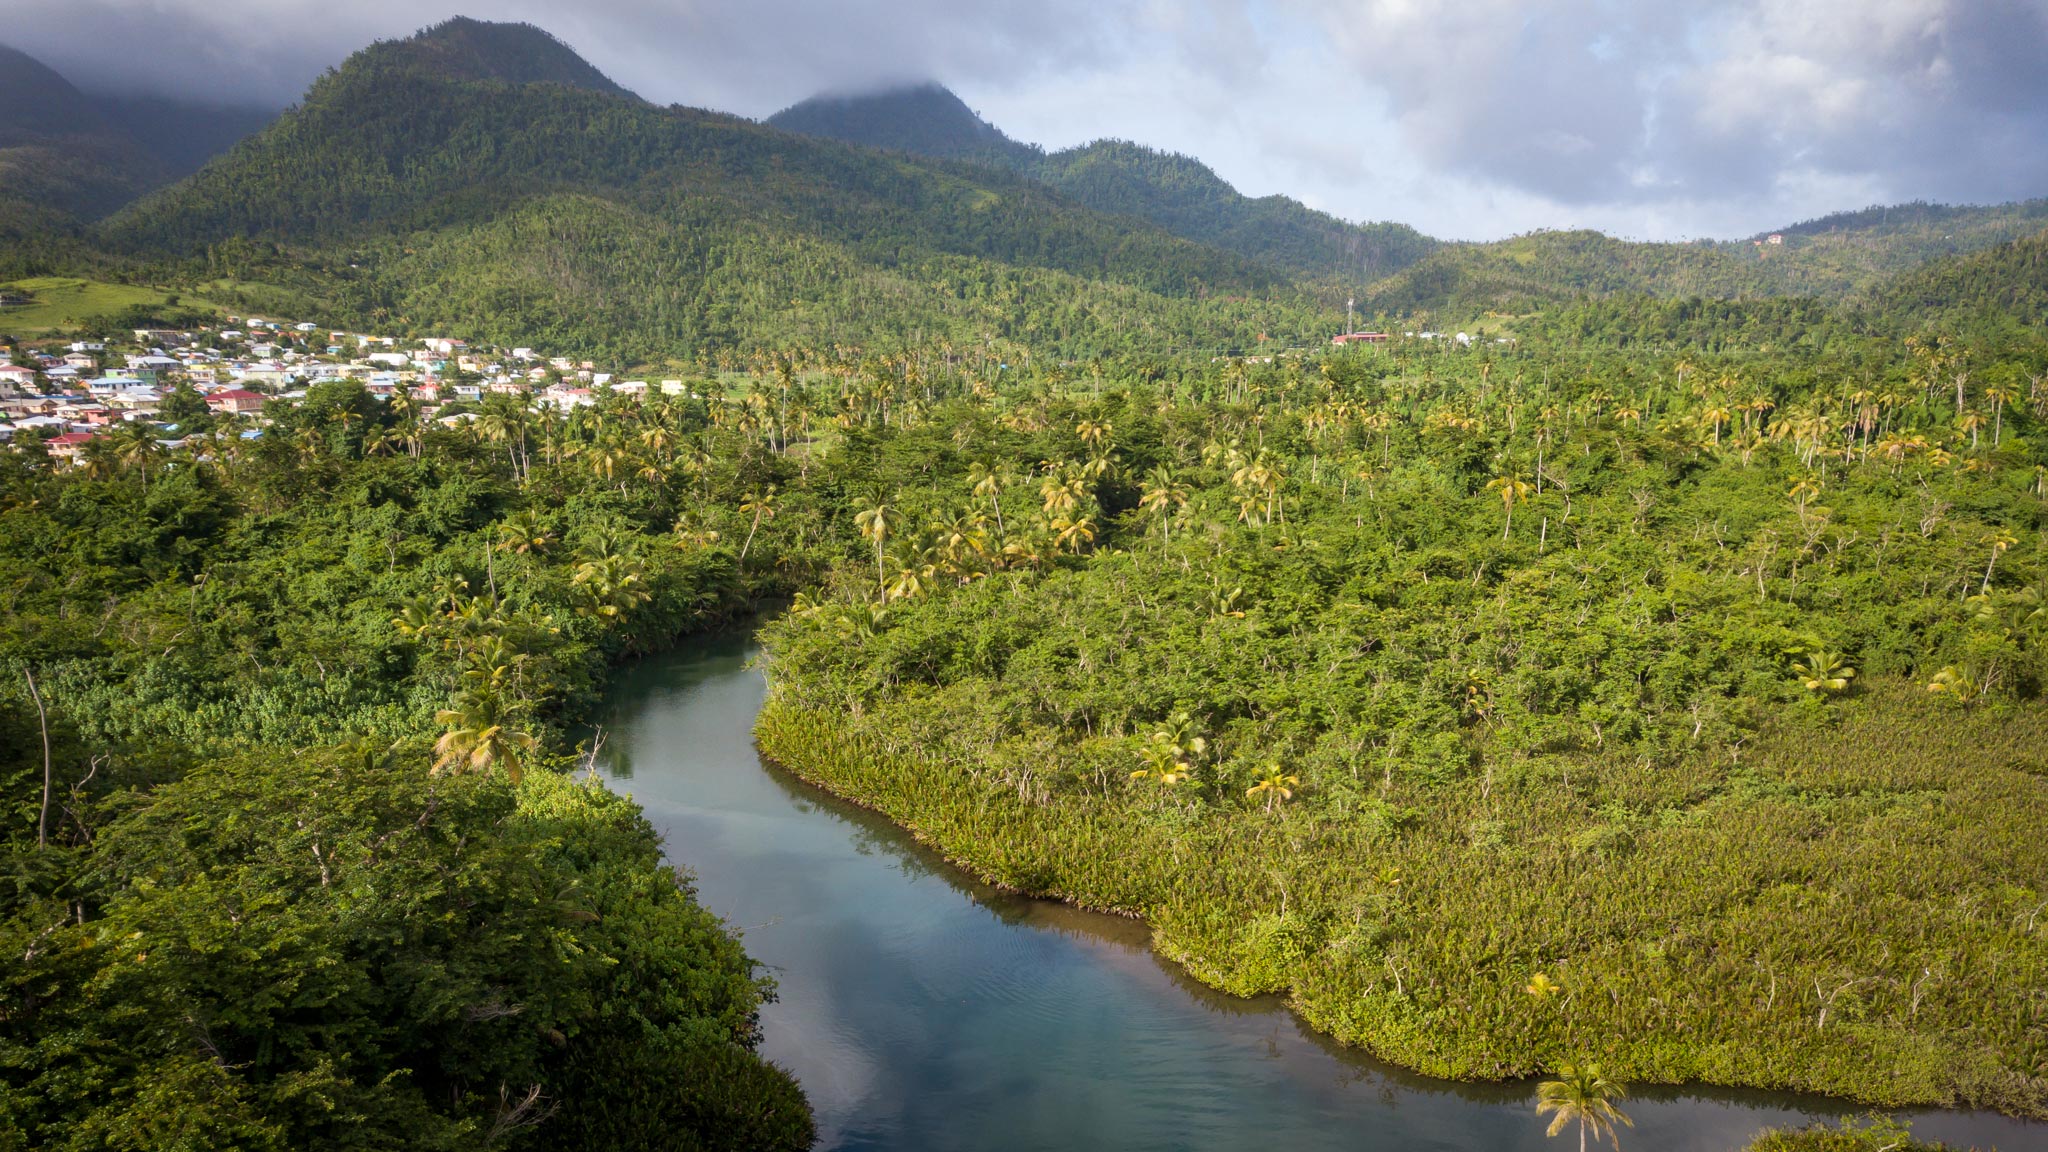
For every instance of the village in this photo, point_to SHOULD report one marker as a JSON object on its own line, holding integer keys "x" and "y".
{"x": 63, "y": 396}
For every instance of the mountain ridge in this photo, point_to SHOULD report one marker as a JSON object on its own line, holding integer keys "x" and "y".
{"x": 84, "y": 155}
{"x": 1176, "y": 192}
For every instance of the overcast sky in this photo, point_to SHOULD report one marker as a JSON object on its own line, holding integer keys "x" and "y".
{"x": 1656, "y": 119}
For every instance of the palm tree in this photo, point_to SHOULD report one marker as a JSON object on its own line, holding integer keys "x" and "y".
{"x": 1062, "y": 490}
{"x": 1956, "y": 684}
{"x": 1276, "y": 786}
{"x": 1073, "y": 535}
{"x": 611, "y": 586}
{"x": 876, "y": 524}
{"x": 1583, "y": 1095}
{"x": 1513, "y": 489}
{"x": 761, "y": 506}
{"x": 1716, "y": 416}
{"x": 1161, "y": 765}
{"x": 136, "y": 447}
{"x": 523, "y": 533}
{"x": 2000, "y": 395}
{"x": 1824, "y": 673}
{"x": 1999, "y": 539}
{"x": 1163, "y": 492}
{"x": 1971, "y": 421}
{"x": 989, "y": 486}
{"x": 479, "y": 735}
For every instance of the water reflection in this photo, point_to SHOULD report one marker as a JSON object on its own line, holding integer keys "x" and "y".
{"x": 922, "y": 1009}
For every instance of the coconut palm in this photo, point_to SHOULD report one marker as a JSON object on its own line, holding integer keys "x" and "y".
{"x": 610, "y": 586}
{"x": 1999, "y": 540}
{"x": 478, "y": 735}
{"x": 1162, "y": 494}
{"x": 136, "y": 447}
{"x": 523, "y": 533}
{"x": 877, "y": 524}
{"x": 1583, "y": 1095}
{"x": 1276, "y": 786}
{"x": 1513, "y": 490}
{"x": 989, "y": 485}
{"x": 1824, "y": 673}
{"x": 761, "y": 506}
{"x": 1073, "y": 535}
{"x": 1161, "y": 765}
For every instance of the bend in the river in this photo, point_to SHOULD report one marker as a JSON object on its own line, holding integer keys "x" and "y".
{"x": 922, "y": 1010}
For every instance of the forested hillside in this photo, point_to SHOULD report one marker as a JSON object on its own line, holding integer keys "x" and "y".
{"x": 85, "y": 156}
{"x": 419, "y": 196}
{"x": 1659, "y": 678}
{"x": 923, "y": 119}
{"x": 1178, "y": 193}
{"x": 293, "y": 857}
{"x": 1184, "y": 196}
{"x": 59, "y": 151}
{"x": 1832, "y": 259}
{"x": 2006, "y": 286}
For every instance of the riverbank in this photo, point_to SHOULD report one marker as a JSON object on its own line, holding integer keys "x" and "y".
{"x": 1398, "y": 935}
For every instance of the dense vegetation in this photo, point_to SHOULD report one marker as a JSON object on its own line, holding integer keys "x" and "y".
{"x": 1178, "y": 193}
{"x": 272, "y": 874}
{"x": 1660, "y": 686}
{"x": 81, "y": 157}
{"x": 1496, "y": 721}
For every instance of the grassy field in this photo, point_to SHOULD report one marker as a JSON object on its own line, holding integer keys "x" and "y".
{"x": 65, "y": 301}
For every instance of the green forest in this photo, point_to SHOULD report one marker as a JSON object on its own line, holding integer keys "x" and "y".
{"x": 1638, "y": 680}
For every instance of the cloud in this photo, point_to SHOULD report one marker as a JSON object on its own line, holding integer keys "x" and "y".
{"x": 1599, "y": 101}
{"x": 748, "y": 56}
{"x": 1466, "y": 117}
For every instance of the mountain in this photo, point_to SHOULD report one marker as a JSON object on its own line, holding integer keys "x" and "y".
{"x": 182, "y": 135}
{"x": 433, "y": 194}
{"x": 59, "y": 151}
{"x": 79, "y": 155}
{"x": 923, "y": 119}
{"x": 1836, "y": 258}
{"x": 1177, "y": 193}
{"x": 1187, "y": 198}
{"x": 2007, "y": 283}
{"x": 462, "y": 48}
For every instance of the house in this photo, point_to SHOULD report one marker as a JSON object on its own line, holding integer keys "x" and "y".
{"x": 86, "y": 346}
{"x": 264, "y": 372}
{"x": 1360, "y": 338}
{"x": 1775, "y": 238}
{"x": 237, "y": 401}
{"x": 566, "y": 398}
{"x": 136, "y": 400}
{"x": 445, "y": 346}
{"x": 16, "y": 378}
{"x": 69, "y": 445}
{"x": 83, "y": 361}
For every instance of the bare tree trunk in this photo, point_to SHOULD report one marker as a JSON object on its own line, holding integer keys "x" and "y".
{"x": 43, "y": 722}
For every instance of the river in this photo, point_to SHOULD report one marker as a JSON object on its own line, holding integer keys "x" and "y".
{"x": 922, "y": 1010}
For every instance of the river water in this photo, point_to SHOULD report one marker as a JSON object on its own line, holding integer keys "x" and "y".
{"x": 922, "y": 1010}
